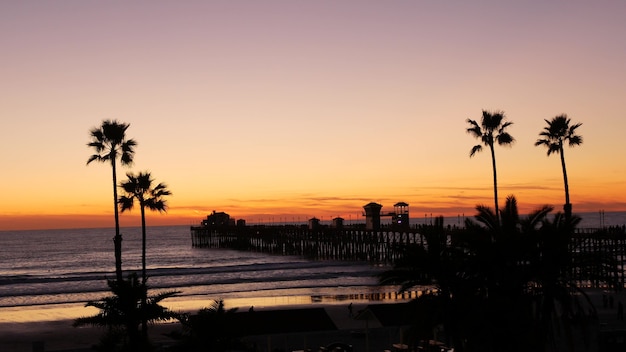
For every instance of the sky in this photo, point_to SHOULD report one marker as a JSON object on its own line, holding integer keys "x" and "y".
{"x": 276, "y": 111}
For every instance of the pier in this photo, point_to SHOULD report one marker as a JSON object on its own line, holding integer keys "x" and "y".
{"x": 603, "y": 248}
{"x": 323, "y": 243}
{"x": 384, "y": 246}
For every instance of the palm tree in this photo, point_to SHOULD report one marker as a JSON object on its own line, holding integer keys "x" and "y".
{"x": 122, "y": 314}
{"x": 558, "y": 132}
{"x": 540, "y": 261}
{"x": 513, "y": 285}
{"x": 213, "y": 328}
{"x": 110, "y": 143}
{"x": 491, "y": 130}
{"x": 441, "y": 264}
{"x": 141, "y": 187}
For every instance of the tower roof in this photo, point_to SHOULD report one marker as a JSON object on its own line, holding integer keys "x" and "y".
{"x": 372, "y": 205}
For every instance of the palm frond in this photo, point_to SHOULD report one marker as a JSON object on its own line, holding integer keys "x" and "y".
{"x": 475, "y": 149}
{"x": 535, "y": 218}
{"x": 126, "y": 203}
{"x": 126, "y": 159}
{"x": 94, "y": 157}
{"x": 575, "y": 140}
{"x": 505, "y": 139}
{"x": 486, "y": 216}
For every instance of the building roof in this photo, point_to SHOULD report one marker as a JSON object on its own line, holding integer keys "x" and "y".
{"x": 372, "y": 205}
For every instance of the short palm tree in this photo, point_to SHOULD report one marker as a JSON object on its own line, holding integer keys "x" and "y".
{"x": 110, "y": 143}
{"x": 558, "y": 132}
{"x": 121, "y": 313}
{"x": 213, "y": 328}
{"x": 441, "y": 264}
{"x": 491, "y": 130}
{"x": 149, "y": 196}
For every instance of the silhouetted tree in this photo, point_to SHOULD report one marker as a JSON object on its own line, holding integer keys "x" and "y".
{"x": 491, "y": 130}
{"x": 141, "y": 188}
{"x": 442, "y": 265}
{"x": 501, "y": 258}
{"x": 211, "y": 329}
{"x": 510, "y": 286}
{"x": 110, "y": 143}
{"x": 122, "y": 313}
{"x": 558, "y": 132}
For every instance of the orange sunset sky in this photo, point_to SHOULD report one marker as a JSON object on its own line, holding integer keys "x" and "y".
{"x": 286, "y": 110}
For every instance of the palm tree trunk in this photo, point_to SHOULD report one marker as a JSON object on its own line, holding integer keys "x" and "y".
{"x": 118, "y": 238}
{"x": 567, "y": 207}
{"x": 144, "y": 298}
{"x": 144, "y": 275}
{"x": 495, "y": 183}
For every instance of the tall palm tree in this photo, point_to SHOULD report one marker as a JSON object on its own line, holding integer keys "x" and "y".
{"x": 554, "y": 136}
{"x": 141, "y": 187}
{"x": 491, "y": 130}
{"x": 110, "y": 143}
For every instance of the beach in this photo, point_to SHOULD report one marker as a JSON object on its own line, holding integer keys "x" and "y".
{"x": 61, "y": 336}
{"x": 50, "y": 326}
{"x": 379, "y": 331}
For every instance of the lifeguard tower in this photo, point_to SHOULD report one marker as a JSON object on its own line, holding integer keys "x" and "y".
{"x": 400, "y": 216}
{"x": 372, "y": 216}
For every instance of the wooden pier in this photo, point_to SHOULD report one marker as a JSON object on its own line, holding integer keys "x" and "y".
{"x": 354, "y": 244}
{"x": 383, "y": 246}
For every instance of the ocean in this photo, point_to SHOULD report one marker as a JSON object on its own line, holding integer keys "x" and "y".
{"x": 57, "y": 271}
{"x": 66, "y": 268}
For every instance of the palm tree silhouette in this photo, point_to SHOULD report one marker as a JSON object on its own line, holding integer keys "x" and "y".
{"x": 515, "y": 285}
{"x": 491, "y": 130}
{"x": 122, "y": 314}
{"x": 110, "y": 143}
{"x": 140, "y": 187}
{"x": 442, "y": 264}
{"x": 213, "y": 328}
{"x": 554, "y": 136}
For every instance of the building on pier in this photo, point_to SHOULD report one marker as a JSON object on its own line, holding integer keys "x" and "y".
{"x": 337, "y": 223}
{"x": 372, "y": 215}
{"x": 218, "y": 219}
{"x": 314, "y": 223}
{"x": 399, "y": 216}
